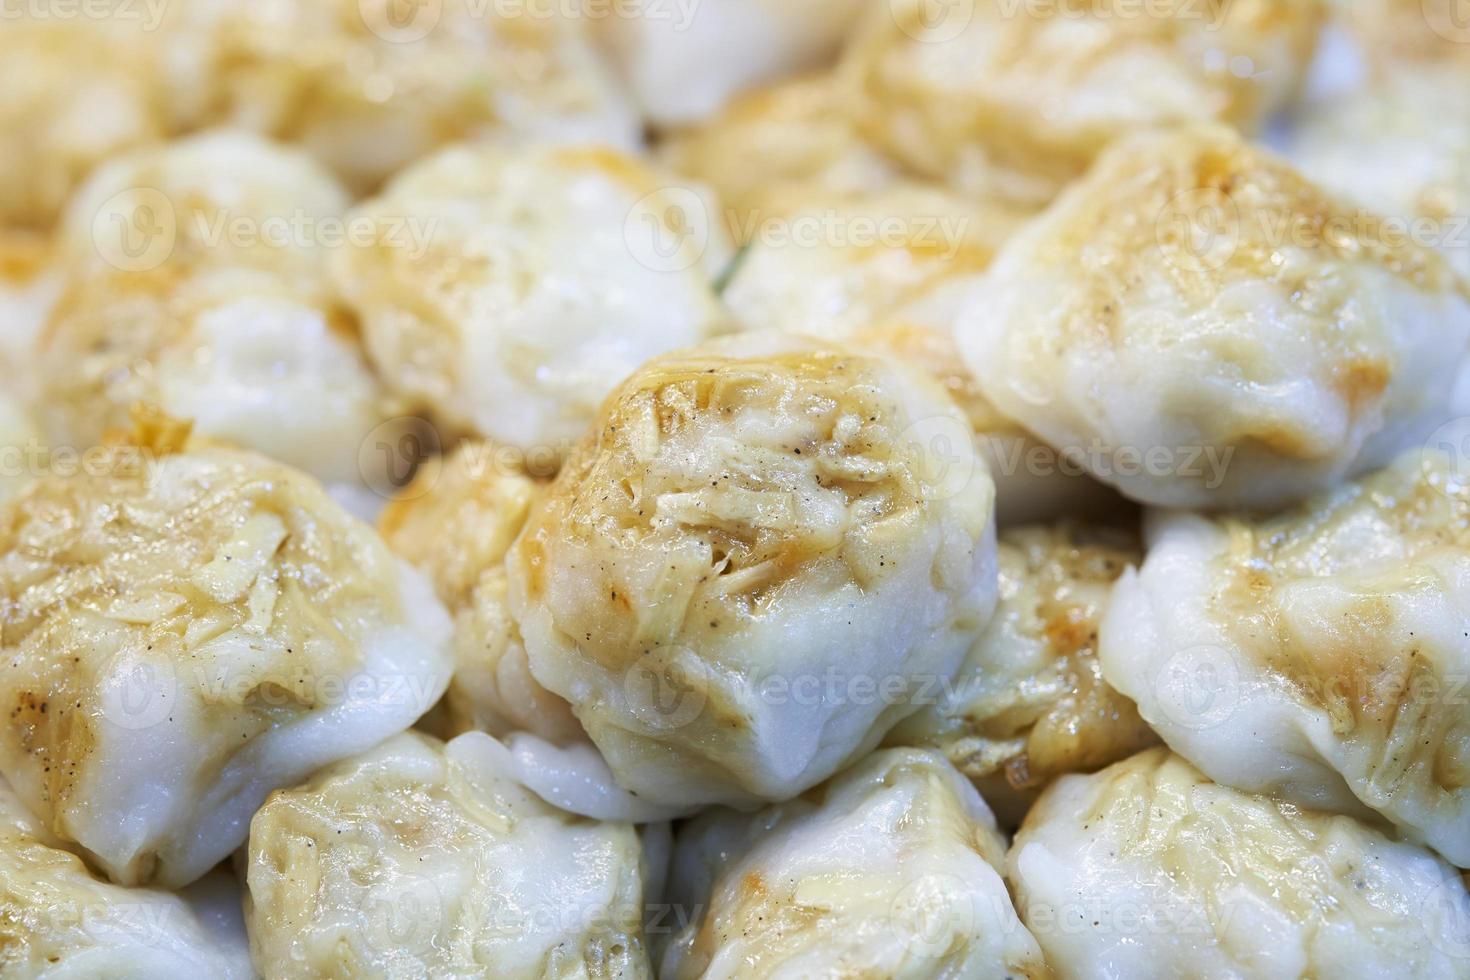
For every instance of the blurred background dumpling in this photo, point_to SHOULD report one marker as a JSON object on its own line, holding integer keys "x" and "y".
{"x": 424, "y": 859}
{"x": 1205, "y": 327}
{"x": 890, "y": 869}
{"x": 195, "y": 280}
{"x": 1018, "y": 99}
{"x": 746, "y": 569}
{"x": 542, "y": 278}
{"x": 1319, "y": 654}
{"x": 1149, "y": 870}
{"x": 683, "y": 62}
{"x": 58, "y": 919}
{"x": 187, "y": 628}
{"x": 369, "y": 86}
{"x": 1030, "y": 703}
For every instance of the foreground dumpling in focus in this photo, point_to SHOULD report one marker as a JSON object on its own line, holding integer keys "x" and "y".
{"x": 744, "y": 573}
{"x": 1204, "y": 327}
{"x": 1319, "y": 655}
{"x": 455, "y": 523}
{"x": 196, "y": 281}
{"x": 57, "y": 919}
{"x": 424, "y": 859}
{"x": 538, "y": 280}
{"x": 1401, "y": 146}
{"x": 1020, "y": 98}
{"x": 1029, "y": 704}
{"x": 77, "y": 90}
{"x": 683, "y": 63}
{"x": 889, "y": 270}
{"x": 185, "y": 631}
{"x": 1148, "y": 870}
{"x": 889, "y": 870}
{"x": 368, "y": 86}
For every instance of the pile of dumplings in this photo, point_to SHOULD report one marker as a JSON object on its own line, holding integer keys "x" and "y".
{"x": 554, "y": 489}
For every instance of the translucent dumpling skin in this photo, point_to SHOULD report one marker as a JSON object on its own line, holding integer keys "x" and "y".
{"x": 419, "y": 859}
{"x": 1319, "y": 655}
{"x": 58, "y": 920}
{"x": 508, "y": 290}
{"x": 744, "y": 573}
{"x": 1030, "y": 703}
{"x": 1149, "y": 870}
{"x": 888, "y": 871}
{"x": 1202, "y": 326}
{"x": 185, "y": 628}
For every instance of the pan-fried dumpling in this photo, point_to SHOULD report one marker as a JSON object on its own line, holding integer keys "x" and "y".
{"x": 185, "y": 629}
{"x": 196, "y": 281}
{"x": 1204, "y": 327}
{"x": 57, "y": 919}
{"x": 77, "y": 91}
{"x": 889, "y": 870}
{"x": 1320, "y": 655}
{"x": 683, "y": 62}
{"x": 743, "y": 574}
{"x": 1401, "y": 146}
{"x": 423, "y": 859}
{"x": 538, "y": 280}
{"x": 369, "y": 86}
{"x": 1019, "y": 99}
{"x": 1030, "y": 704}
{"x": 1149, "y": 870}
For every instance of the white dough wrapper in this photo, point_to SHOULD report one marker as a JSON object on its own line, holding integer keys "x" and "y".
{"x": 1201, "y": 326}
{"x": 509, "y": 290}
{"x": 1149, "y": 870}
{"x": 889, "y": 870}
{"x": 746, "y": 571}
{"x": 420, "y": 859}
{"x": 195, "y": 280}
{"x": 1321, "y": 655}
{"x": 59, "y": 921}
{"x": 185, "y": 629}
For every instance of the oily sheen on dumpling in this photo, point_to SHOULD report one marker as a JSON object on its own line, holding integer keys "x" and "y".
{"x": 1320, "y": 654}
{"x": 423, "y": 859}
{"x": 888, "y": 870}
{"x": 744, "y": 572}
{"x": 1202, "y": 326}
{"x": 1149, "y": 870}
{"x": 185, "y": 629}
{"x": 539, "y": 280}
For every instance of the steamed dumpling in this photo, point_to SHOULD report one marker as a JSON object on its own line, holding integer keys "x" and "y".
{"x": 1147, "y": 869}
{"x": 185, "y": 629}
{"x": 369, "y": 86}
{"x": 1319, "y": 655}
{"x": 1030, "y": 703}
{"x": 77, "y": 91}
{"x": 889, "y": 870}
{"x": 539, "y": 280}
{"x": 683, "y": 62}
{"x": 422, "y": 859}
{"x": 742, "y": 575}
{"x": 455, "y": 523}
{"x": 1204, "y": 327}
{"x": 1019, "y": 100}
{"x": 57, "y": 919}
{"x": 196, "y": 281}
